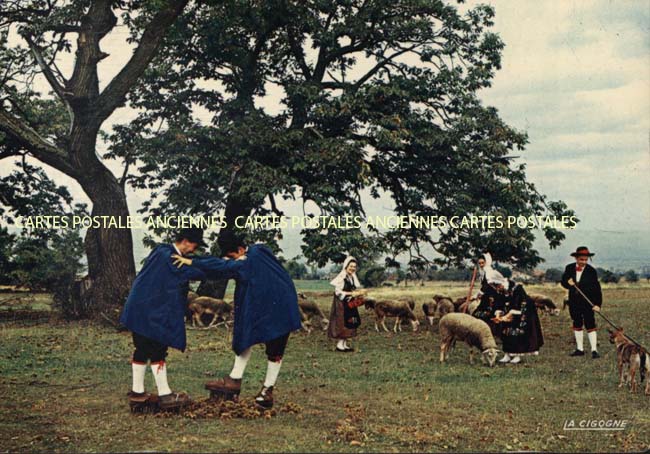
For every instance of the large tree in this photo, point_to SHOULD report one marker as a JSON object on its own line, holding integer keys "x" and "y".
{"x": 61, "y": 128}
{"x": 376, "y": 96}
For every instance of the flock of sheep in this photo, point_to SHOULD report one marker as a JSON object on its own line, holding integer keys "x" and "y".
{"x": 456, "y": 322}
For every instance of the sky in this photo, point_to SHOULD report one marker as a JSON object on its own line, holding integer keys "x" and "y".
{"x": 575, "y": 76}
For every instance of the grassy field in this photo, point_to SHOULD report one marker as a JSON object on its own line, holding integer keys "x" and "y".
{"x": 63, "y": 388}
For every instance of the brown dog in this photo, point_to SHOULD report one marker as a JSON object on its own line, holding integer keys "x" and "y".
{"x": 630, "y": 358}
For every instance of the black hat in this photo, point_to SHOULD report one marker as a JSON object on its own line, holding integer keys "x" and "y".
{"x": 582, "y": 250}
{"x": 193, "y": 235}
{"x": 230, "y": 241}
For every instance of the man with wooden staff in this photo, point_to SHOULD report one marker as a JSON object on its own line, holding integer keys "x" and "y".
{"x": 585, "y": 277}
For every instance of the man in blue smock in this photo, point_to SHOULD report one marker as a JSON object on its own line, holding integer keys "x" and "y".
{"x": 266, "y": 309}
{"x": 155, "y": 313}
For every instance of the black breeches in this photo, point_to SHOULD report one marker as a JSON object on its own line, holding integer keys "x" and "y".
{"x": 148, "y": 349}
{"x": 582, "y": 315}
{"x": 275, "y": 348}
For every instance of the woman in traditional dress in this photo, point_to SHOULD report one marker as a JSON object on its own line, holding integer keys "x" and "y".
{"x": 521, "y": 330}
{"x": 344, "y": 315}
{"x": 493, "y": 298}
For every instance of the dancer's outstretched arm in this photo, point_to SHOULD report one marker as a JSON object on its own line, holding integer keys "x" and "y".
{"x": 213, "y": 267}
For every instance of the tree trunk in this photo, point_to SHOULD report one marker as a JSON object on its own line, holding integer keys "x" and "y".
{"x": 111, "y": 267}
{"x": 235, "y": 207}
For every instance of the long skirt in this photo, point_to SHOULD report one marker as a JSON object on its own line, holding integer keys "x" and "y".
{"x": 528, "y": 342}
{"x": 336, "y": 328}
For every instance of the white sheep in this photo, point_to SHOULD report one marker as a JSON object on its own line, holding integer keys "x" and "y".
{"x": 464, "y": 327}
{"x": 473, "y": 305}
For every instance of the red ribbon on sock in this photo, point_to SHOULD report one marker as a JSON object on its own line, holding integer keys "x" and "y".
{"x": 161, "y": 365}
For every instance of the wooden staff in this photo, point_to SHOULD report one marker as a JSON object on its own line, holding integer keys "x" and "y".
{"x": 471, "y": 288}
{"x": 575, "y": 285}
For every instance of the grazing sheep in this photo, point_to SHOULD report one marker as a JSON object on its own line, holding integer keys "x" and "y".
{"x": 429, "y": 310}
{"x": 544, "y": 303}
{"x": 437, "y": 309}
{"x": 444, "y": 306}
{"x": 473, "y": 304}
{"x": 408, "y": 300}
{"x": 398, "y": 309}
{"x": 308, "y": 310}
{"x": 475, "y": 332}
{"x": 198, "y": 306}
{"x": 458, "y": 302}
{"x": 437, "y": 298}
{"x": 468, "y": 307}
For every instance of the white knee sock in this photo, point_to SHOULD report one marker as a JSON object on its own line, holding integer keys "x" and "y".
{"x": 340, "y": 344}
{"x": 138, "y": 370}
{"x": 593, "y": 340}
{"x": 272, "y": 371}
{"x": 579, "y": 339}
{"x": 240, "y": 364}
{"x": 160, "y": 375}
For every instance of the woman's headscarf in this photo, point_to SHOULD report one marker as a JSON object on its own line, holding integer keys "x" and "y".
{"x": 488, "y": 260}
{"x": 492, "y": 276}
{"x": 338, "y": 280}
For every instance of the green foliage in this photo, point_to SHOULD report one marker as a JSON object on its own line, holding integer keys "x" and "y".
{"x": 42, "y": 259}
{"x": 314, "y": 273}
{"x": 631, "y": 276}
{"x": 506, "y": 271}
{"x": 451, "y": 274}
{"x": 407, "y": 124}
{"x": 608, "y": 276}
{"x": 42, "y": 265}
{"x": 553, "y": 275}
{"x": 296, "y": 269}
{"x": 6, "y": 265}
{"x": 372, "y": 276}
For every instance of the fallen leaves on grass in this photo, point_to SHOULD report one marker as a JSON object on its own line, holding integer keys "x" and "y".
{"x": 350, "y": 429}
{"x": 226, "y": 409}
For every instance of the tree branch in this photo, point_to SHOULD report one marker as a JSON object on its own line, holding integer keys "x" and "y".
{"x": 299, "y": 55}
{"x": 125, "y": 174}
{"x": 9, "y": 153}
{"x": 47, "y": 72}
{"x": 115, "y": 93}
{"x": 274, "y": 206}
{"x": 381, "y": 64}
{"x": 32, "y": 142}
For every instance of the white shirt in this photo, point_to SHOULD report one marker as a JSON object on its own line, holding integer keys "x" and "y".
{"x": 579, "y": 273}
{"x": 338, "y": 289}
{"x": 177, "y": 251}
